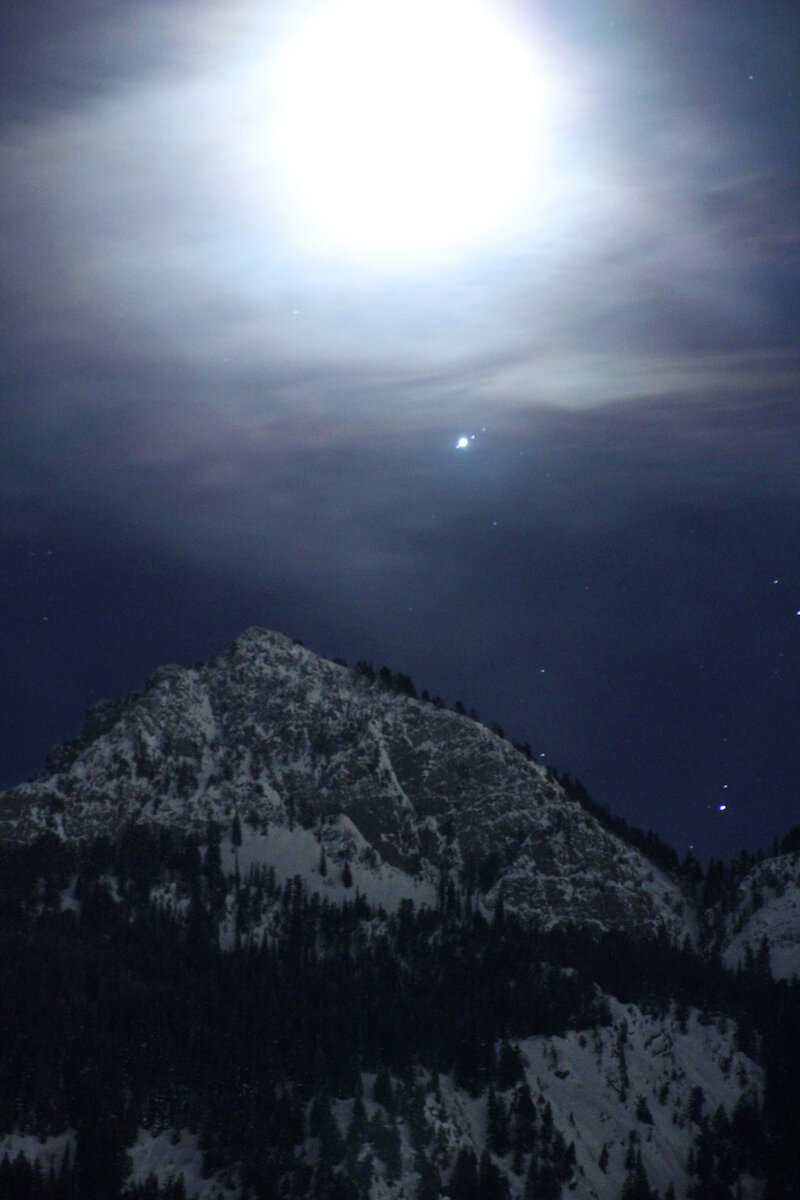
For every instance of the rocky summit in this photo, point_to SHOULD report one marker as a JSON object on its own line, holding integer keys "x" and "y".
{"x": 282, "y": 739}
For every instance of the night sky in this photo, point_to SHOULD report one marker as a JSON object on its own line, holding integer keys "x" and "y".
{"x": 463, "y": 338}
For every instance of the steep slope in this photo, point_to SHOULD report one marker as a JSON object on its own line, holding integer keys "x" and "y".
{"x": 642, "y": 1085}
{"x": 272, "y": 734}
{"x": 764, "y": 919}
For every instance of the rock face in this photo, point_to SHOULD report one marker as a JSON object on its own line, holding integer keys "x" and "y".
{"x": 286, "y": 740}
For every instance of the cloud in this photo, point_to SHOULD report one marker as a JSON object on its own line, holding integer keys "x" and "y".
{"x": 171, "y": 356}
{"x": 144, "y": 219}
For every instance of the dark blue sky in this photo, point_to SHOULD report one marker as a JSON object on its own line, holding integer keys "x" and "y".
{"x": 209, "y": 422}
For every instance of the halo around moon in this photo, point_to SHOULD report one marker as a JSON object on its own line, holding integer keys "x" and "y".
{"x": 403, "y": 132}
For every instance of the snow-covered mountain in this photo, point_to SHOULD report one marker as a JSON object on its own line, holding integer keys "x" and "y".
{"x": 406, "y": 791}
{"x": 269, "y": 839}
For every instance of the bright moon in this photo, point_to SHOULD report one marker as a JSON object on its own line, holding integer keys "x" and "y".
{"x": 402, "y": 131}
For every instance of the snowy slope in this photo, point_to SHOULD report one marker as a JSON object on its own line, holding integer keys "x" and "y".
{"x": 629, "y": 1084}
{"x": 596, "y": 1083}
{"x": 310, "y": 753}
{"x": 169, "y": 1155}
{"x": 767, "y": 906}
{"x": 49, "y": 1152}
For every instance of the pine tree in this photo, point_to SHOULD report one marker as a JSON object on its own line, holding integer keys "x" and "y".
{"x": 393, "y": 1157}
{"x": 492, "y": 1183}
{"x": 331, "y": 1143}
{"x": 523, "y": 1131}
{"x": 383, "y": 1092}
{"x": 464, "y": 1183}
{"x": 357, "y": 1126}
{"x": 496, "y": 1123}
{"x": 429, "y": 1184}
{"x": 636, "y": 1186}
{"x": 510, "y": 1066}
{"x": 697, "y": 1101}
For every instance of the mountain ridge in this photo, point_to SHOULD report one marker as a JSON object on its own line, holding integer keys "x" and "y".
{"x": 274, "y": 734}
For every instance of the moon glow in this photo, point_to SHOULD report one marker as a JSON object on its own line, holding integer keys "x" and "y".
{"x": 405, "y": 131}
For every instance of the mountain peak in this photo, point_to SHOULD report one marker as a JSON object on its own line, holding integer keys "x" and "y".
{"x": 270, "y": 732}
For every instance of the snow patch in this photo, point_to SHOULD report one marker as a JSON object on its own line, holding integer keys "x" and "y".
{"x": 46, "y": 1151}
{"x": 170, "y": 1154}
{"x": 298, "y": 851}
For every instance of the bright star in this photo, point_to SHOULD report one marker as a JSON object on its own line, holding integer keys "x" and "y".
{"x": 462, "y": 443}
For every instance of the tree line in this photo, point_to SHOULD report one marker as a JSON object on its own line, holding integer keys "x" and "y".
{"x": 119, "y": 1010}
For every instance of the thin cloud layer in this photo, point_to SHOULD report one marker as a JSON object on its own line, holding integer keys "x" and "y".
{"x": 190, "y": 391}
